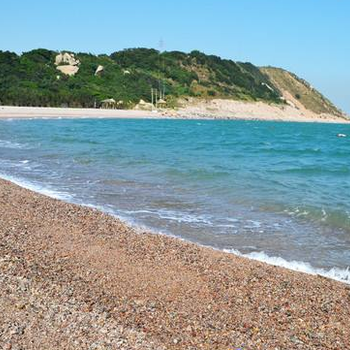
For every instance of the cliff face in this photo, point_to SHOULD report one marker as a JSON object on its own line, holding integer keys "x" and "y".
{"x": 299, "y": 93}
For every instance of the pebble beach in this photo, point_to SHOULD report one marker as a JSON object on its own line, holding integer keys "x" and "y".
{"x": 72, "y": 277}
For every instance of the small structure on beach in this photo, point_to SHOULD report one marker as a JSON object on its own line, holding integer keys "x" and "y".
{"x": 144, "y": 106}
{"x": 109, "y": 103}
{"x": 161, "y": 102}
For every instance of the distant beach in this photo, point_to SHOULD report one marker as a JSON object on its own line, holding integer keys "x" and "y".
{"x": 213, "y": 109}
{"x": 45, "y": 112}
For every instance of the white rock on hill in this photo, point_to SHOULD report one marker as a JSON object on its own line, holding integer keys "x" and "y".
{"x": 99, "y": 70}
{"x": 67, "y": 63}
{"x": 66, "y": 58}
{"x": 68, "y": 70}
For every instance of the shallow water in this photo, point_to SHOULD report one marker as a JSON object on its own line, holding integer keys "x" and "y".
{"x": 278, "y": 192}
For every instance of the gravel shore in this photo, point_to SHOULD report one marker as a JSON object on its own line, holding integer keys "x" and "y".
{"x": 75, "y": 278}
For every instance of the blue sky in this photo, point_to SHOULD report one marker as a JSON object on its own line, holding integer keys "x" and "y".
{"x": 308, "y": 37}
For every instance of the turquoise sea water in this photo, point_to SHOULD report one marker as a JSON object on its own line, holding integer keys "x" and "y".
{"x": 277, "y": 192}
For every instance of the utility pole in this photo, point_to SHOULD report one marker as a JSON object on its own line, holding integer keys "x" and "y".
{"x": 156, "y": 98}
{"x": 161, "y": 46}
{"x": 160, "y": 89}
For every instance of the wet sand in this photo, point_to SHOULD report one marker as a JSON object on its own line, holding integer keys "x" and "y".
{"x": 75, "y": 278}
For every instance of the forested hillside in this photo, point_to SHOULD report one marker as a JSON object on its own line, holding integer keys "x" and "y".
{"x": 33, "y": 78}
{"x": 65, "y": 79}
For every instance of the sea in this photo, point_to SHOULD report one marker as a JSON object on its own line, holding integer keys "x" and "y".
{"x": 277, "y": 192}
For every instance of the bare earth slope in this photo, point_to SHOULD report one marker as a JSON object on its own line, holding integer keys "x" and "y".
{"x": 231, "y": 109}
{"x": 302, "y": 103}
{"x": 75, "y": 278}
{"x": 300, "y": 93}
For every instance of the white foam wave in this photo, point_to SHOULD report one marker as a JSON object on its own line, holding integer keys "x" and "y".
{"x": 10, "y": 144}
{"x": 341, "y": 275}
{"x": 37, "y": 188}
{"x": 173, "y": 216}
{"x": 182, "y": 217}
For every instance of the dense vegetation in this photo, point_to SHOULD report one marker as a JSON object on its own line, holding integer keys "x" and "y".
{"x": 32, "y": 79}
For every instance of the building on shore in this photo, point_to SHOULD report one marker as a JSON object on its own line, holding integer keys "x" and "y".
{"x": 109, "y": 103}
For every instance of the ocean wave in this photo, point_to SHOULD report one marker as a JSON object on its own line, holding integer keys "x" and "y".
{"x": 341, "y": 275}
{"x": 316, "y": 170}
{"x": 269, "y": 148}
{"x": 197, "y": 174}
{"x": 338, "y": 274}
{"x": 38, "y": 188}
{"x": 339, "y": 218}
{"x": 10, "y": 144}
{"x": 171, "y": 215}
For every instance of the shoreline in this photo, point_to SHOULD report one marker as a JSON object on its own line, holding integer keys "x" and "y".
{"x": 341, "y": 275}
{"x": 235, "y": 111}
{"x": 158, "y": 292}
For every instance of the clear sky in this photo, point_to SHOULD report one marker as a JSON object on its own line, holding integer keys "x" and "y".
{"x": 308, "y": 37}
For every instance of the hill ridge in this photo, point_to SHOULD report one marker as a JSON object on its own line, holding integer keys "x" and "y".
{"x": 50, "y": 78}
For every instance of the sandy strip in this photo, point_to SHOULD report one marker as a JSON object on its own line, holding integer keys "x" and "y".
{"x": 214, "y": 109}
{"x": 44, "y": 112}
{"x": 230, "y": 109}
{"x": 75, "y": 278}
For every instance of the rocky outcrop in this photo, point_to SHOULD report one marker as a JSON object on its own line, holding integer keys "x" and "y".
{"x": 144, "y": 106}
{"x": 68, "y": 70}
{"x": 67, "y": 63}
{"x": 67, "y": 59}
{"x": 99, "y": 70}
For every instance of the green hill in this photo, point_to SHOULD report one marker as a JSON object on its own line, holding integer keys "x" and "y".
{"x": 48, "y": 78}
